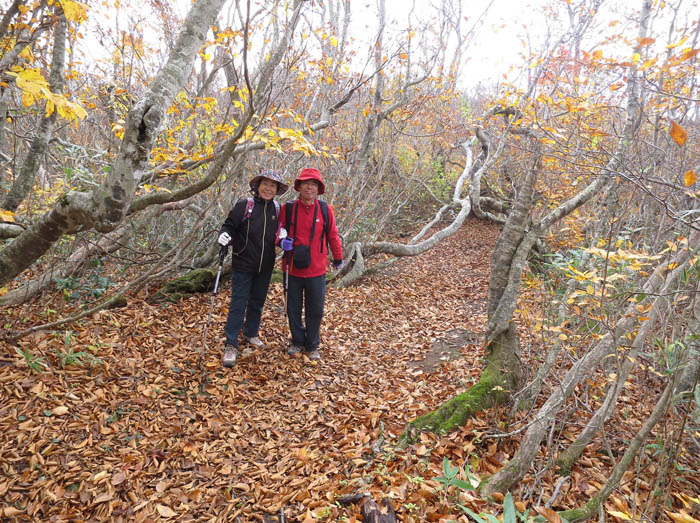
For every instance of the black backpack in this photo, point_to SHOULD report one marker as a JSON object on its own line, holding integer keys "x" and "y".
{"x": 289, "y": 208}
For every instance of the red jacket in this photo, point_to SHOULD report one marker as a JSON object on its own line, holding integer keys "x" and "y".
{"x": 301, "y": 233}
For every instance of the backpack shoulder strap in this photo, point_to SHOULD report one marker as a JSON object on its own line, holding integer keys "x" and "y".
{"x": 324, "y": 234}
{"x": 277, "y": 208}
{"x": 288, "y": 207}
{"x": 248, "y": 209}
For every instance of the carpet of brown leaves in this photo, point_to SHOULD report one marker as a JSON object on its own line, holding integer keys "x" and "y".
{"x": 146, "y": 436}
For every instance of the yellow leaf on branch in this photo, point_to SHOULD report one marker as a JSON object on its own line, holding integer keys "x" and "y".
{"x": 7, "y": 216}
{"x": 74, "y": 11}
{"x": 688, "y": 55}
{"x": 677, "y": 44}
{"x": 689, "y": 178}
{"x": 678, "y": 134}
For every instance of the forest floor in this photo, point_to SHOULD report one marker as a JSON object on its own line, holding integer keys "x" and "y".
{"x": 141, "y": 434}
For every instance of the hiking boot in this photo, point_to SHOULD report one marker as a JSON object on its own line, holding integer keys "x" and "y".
{"x": 314, "y": 355}
{"x": 256, "y": 342}
{"x": 294, "y": 349}
{"x": 230, "y": 355}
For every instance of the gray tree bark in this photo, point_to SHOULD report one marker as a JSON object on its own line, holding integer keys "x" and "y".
{"x": 105, "y": 208}
{"x": 659, "y": 308}
{"x": 25, "y": 179}
{"x": 518, "y": 466}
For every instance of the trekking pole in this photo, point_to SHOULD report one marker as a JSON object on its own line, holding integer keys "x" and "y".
{"x": 222, "y": 256}
{"x": 285, "y": 270}
{"x": 285, "y": 284}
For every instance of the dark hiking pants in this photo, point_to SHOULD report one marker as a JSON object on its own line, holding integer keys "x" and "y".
{"x": 308, "y": 294}
{"x": 248, "y": 293}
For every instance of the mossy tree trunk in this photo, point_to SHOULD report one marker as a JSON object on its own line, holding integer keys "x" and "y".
{"x": 199, "y": 280}
{"x": 522, "y": 460}
{"x": 519, "y": 234}
{"x": 503, "y": 369}
{"x": 502, "y": 374}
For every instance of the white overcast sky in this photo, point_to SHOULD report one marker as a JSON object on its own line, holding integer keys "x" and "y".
{"x": 498, "y": 43}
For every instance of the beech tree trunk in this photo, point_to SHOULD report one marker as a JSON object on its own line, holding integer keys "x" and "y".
{"x": 591, "y": 508}
{"x": 25, "y": 180}
{"x": 105, "y": 208}
{"x": 656, "y": 315}
{"x": 518, "y": 237}
{"x": 521, "y": 462}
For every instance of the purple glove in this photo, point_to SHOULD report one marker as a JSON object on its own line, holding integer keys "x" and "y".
{"x": 287, "y": 244}
{"x": 337, "y": 264}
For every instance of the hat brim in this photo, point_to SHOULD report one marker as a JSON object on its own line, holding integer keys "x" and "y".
{"x": 281, "y": 187}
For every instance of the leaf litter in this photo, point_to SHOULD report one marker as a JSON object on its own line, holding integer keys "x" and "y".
{"x": 144, "y": 435}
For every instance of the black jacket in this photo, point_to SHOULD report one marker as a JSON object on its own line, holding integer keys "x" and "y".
{"x": 253, "y": 240}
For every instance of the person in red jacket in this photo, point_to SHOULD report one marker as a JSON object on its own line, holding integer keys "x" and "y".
{"x": 306, "y": 258}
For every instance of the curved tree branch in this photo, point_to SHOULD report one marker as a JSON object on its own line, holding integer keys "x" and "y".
{"x": 105, "y": 208}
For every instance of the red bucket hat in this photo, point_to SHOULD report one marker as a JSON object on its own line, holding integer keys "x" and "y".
{"x": 270, "y": 175}
{"x": 310, "y": 174}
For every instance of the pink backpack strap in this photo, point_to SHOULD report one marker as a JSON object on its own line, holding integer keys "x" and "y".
{"x": 279, "y": 222}
{"x": 248, "y": 209}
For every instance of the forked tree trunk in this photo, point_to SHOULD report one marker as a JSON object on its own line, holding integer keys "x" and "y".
{"x": 592, "y": 507}
{"x": 503, "y": 373}
{"x": 657, "y": 313}
{"x": 104, "y": 208}
{"x": 522, "y": 460}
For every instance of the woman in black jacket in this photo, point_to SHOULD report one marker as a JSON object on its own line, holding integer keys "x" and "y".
{"x": 251, "y": 229}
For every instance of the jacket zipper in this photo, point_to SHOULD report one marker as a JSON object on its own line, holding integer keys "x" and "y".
{"x": 262, "y": 251}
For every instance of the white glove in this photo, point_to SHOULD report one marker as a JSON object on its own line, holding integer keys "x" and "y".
{"x": 283, "y": 233}
{"x": 224, "y": 239}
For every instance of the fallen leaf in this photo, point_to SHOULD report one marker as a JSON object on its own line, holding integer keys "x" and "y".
{"x": 59, "y": 411}
{"x": 620, "y": 515}
{"x": 118, "y": 478}
{"x": 549, "y": 514}
{"x": 105, "y": 496}
{"x": 165, "y": 511}
{"x": 100, "y": 475}
{"x": 682, "y": 517}
{"x": 9, "y": 512}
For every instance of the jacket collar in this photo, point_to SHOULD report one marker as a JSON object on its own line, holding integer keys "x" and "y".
{"x": 309, "y": 206}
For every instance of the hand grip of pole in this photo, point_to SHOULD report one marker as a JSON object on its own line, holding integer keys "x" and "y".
{"x": 222, "y": 254}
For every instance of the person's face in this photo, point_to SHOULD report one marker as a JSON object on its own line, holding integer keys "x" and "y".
{"x": 308, "y": 189}
{"x": 267, "y": 189}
